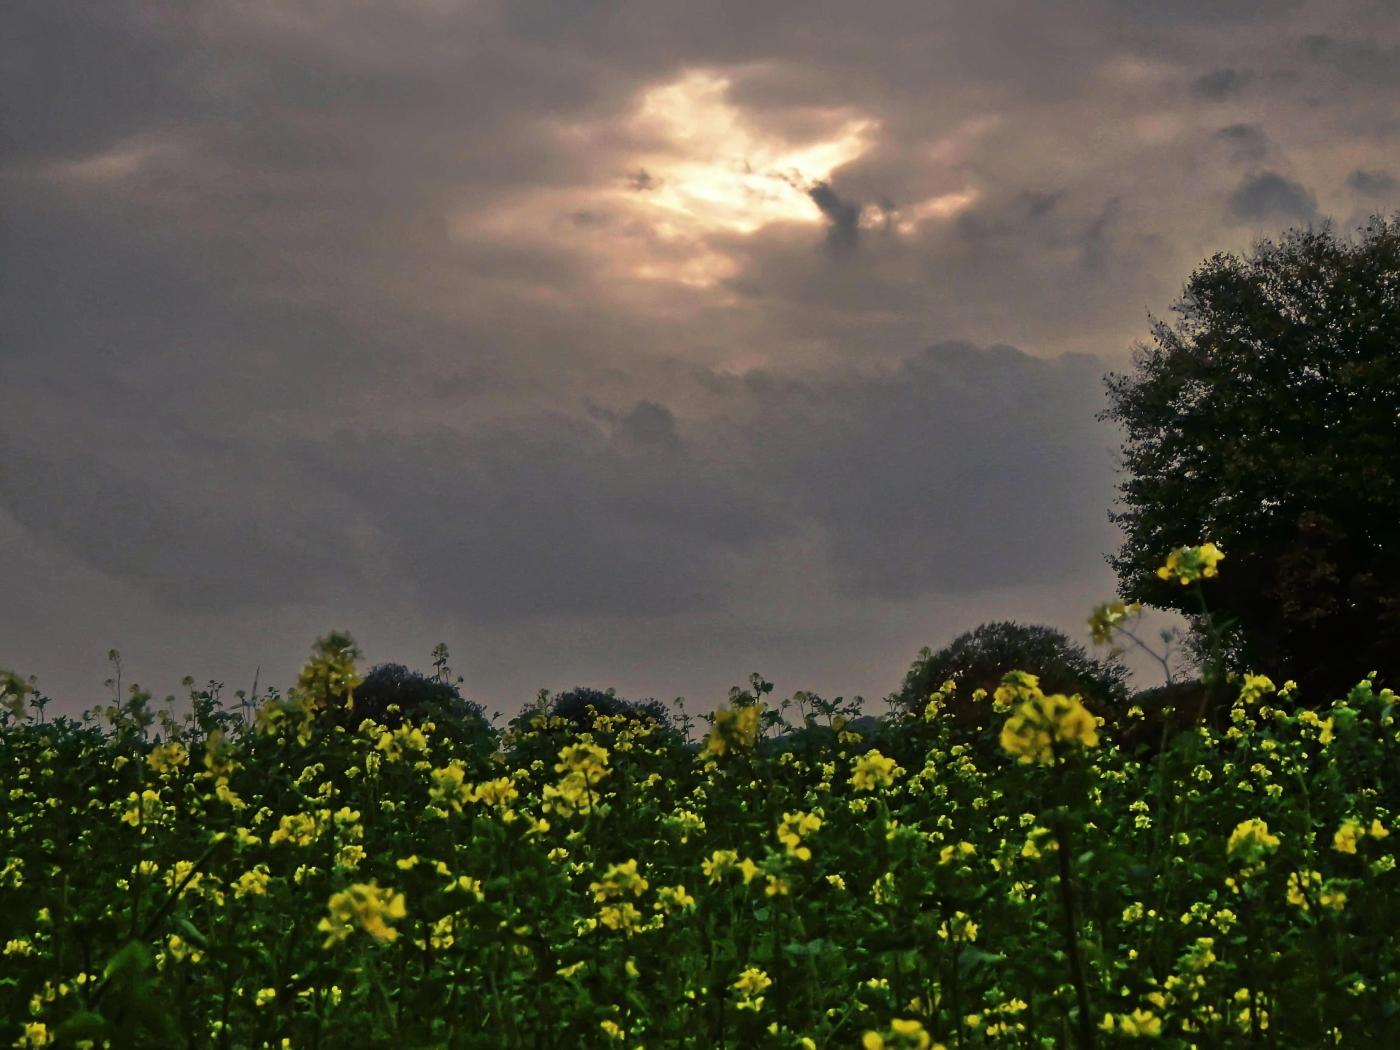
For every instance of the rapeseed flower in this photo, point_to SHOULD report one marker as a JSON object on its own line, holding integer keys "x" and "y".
{"x": 720, "y": 862}
{"x": 903, "y": 1034}
{"x": 874, "y": 770}
{"x": 793, "y": 828}
{"x": 168, "y": 758}
{"x": 734, "y": 729}
{"x": 1109, "y": 615}
{"x": 1188, "y": 564}
{"x": 618, "y": 881}
{"x": 364, "y": 905}
{"x": 1250, "y": 840}
{"x": 1043, "y": 727}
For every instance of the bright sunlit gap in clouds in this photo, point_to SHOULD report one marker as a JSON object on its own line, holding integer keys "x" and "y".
{"x": 707, "y": 171}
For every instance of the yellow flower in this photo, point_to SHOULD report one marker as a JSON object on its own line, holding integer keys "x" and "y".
{"x": 873, "y": 770}
{"x": 613, "y": 1029}
{"x": 1255, "y": 686}
{"x": 1250, "y": 839}
{"x": 1043, "y": 726}
{"x": 619, "y": 880}
{"x": 1344, "y": 841}
{"x": 622, "y": 917}
{"x": 1302, "y": 883}
{"x": 733, "y": 729}
{"x": 720, "y": 862}
{"x": 1140, "y": 1024}
{"x": 1109, "y": 615}
{"x": 35, "y": 1034}
{"x": 498, "y": 793}
{"x": 792, "y": 829}
{"x": 1187, "y": 564}
{"x": 902, "y": 1034}
{"x": 450, "y": 787}
{"x": 753, "y": 981}
{"x": 367, "y": 906}
{"x": 300, "y": 829}
{"x": 589, "y": 759}
{"x": 167, "y": 758}
{"x": 253, "y": 881}
{"x": 675, "y": 896}
{"x": 402, "y": 741}
{"x": 961, "y": 851}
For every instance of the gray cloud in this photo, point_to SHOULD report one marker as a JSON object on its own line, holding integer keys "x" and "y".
{"x": 622, "y": 515}
{"x": 405, "y": 315}
{"x": 1270, "y": 195}
{"x": 842, "y": 219}
{"x": 1372, "y": 183}
{"x": 192, "y": 545}
{"x": 1246, "y": 141}
{"x": 1221, "y": 84}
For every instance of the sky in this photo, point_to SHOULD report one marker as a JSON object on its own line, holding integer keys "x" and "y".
{"x": 642, "y": 345}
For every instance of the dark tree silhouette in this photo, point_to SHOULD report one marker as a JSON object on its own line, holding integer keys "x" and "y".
{"x": 1267, "y": 420}
{"x": 979, "y": 658}
{"x": 391, "y": 694}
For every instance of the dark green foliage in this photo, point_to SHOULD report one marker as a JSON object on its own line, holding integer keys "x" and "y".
{"x": 553, "y": 721}
{"x": 574, "y": 706}
{"x": 1168, "y": 710}
{"x": 1267, "y": 420}
{"x": 391, "y": 694}
{"x": 979, "y": 658}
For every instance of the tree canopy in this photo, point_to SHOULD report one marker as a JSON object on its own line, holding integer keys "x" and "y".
{"x": 978, "y": 659}
{"x": 1267, "y": 420}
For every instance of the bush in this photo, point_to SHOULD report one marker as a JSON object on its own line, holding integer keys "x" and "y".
{"x": 552, "y": 721}
{"x": 1171, "y": 709}
{"x": 391, "y": 695}
{"x": 574, "y": 707}
{"x": 980, "y": 658}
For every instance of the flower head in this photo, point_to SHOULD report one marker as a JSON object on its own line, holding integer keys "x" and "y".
{"x": 1043, "y": 726}
{"x": 366, "y": 906}
{"x": 1188, "y": 564}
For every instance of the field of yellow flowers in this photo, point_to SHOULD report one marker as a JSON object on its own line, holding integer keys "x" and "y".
{"x": 281, "y": 881}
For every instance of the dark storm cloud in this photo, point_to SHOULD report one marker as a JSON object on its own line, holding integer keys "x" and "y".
{"x": 842, "y": 219}
{"x": 1372, "y": 183}
{"x": 621, "y": 515}
{"x": 1221, "y": 84}
{"x": 1270, "y": 195}
{"x": 1371, "y": 61}
{"x": 193, "y": 546}
{"x": 989, "y": 452}
{"x": 1247, "y": 142}
{"x": 399, "y": 307}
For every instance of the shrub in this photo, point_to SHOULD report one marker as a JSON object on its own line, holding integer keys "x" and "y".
{"x": 980, "y": 658}
{"x": 391, "y": 695}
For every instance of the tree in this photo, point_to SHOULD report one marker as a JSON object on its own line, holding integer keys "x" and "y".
{"x": 1267, "y": 420}
{"x": 979, "y": 658}
{"x": 391, "y": 695}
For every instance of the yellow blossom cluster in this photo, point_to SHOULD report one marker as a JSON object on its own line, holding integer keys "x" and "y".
{"x": 734, "y": 729}
{"x": 874, "y": 771}
{"x": 1042, "y": 728}
{"x": 1187, "y": 564}
{"x": 793, "y": 828}
{"x": 1353, "y": 831}
{"x": 583, "y": 768}
{"x": 365, "y": 906}
{"x": 902, "y": 1034}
